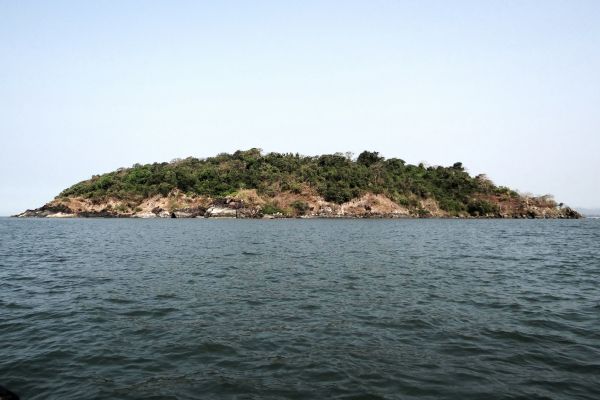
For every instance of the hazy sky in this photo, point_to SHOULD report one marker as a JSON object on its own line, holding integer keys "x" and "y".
{"x": 510, "y": 88}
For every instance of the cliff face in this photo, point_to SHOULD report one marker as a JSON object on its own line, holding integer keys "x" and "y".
{"x": 306, "y": 204}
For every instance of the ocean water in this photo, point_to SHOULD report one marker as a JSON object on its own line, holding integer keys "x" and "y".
{"x": 300, "y": 309}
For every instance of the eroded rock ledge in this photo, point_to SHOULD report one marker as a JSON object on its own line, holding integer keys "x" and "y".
{"x": 305, "y": 204}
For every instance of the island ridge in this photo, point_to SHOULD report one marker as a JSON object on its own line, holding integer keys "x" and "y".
{"x": 249, "y": 184}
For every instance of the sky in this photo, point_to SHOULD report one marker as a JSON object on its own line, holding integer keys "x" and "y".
{"x": 509, "y": 88}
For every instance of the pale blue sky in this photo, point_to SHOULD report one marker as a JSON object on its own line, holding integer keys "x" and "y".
{"x": 510, "y": 88}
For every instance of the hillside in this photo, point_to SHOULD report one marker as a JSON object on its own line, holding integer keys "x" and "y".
{"x": 250, "y": 184}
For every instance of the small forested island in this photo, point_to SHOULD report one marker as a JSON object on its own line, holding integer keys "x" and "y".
{"x": 249, "y": 184}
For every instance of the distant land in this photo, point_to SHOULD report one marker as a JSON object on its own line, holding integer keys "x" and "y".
{"x": 589, "y": 212}
{"x": 249, "y": 184}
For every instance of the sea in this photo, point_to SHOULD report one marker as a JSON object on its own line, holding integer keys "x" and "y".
{"x": 300, "y": 309}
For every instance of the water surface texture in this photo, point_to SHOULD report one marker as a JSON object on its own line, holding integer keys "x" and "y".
{"x": 300, "y": 309}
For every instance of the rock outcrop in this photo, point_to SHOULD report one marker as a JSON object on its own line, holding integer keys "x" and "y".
{"x": 304, "y": 203}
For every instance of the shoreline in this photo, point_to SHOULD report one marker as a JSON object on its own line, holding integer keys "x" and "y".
{"x": 311, "y": 217}
{"x": 250, "y": 205}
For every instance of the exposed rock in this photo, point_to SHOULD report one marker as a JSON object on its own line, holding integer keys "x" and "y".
{"x": 249, "y": 196}
{"x": 529, "y": 207}
{"x": 430, "y": 208}
{"x": 372, "y": 205}
{"x": 325, "y": 211}
{"x": 570, "y": 213}
{"x": 249, "y": 212}
{"x": 189, "y": 213}
{"x": 56, "y": 210}
{"x": 248, "y": 204}
{"x": 145, "y": 214}
{"x": 61, "y": 215}
{"x": 102, "y": 214}
{"x": 221, "y": 212}
{"x": 31, "y": 214}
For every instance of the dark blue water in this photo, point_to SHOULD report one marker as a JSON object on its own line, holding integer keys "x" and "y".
{"x": 300, "y": 309}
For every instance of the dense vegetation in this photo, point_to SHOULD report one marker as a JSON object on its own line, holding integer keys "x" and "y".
{"x": 337, "y": 177}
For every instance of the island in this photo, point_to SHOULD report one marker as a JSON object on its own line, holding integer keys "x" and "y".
{"x": 250, "y": 184}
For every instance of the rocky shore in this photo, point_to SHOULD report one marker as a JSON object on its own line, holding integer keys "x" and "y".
{"x": 306, "y": 204}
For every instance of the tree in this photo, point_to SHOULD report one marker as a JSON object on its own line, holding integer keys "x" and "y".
{"x": 369, "y": 158}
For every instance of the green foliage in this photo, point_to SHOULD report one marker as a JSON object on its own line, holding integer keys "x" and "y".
{"x": 423, "y": 213}
{"x": 481, "y": 208}
{"x": 369, "y": 158}
{"x": 451, "y": 205}
{"x": 121, "y": 207}
{"x": 270, "y": 209}
{"x": 300, "y": 207}
{"x": 503, "y": 190}
{"x": 458, "y": 166}
{"x": 404, "y": 200}
{"x": 336, "y": 177}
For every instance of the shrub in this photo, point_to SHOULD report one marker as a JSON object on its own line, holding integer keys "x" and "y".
{"x": 121, "y": 208}
{"x": 300, "y": 207}
{"x": 480, "y": 208}
{"x": 270, "y": 209}
{"x": 423, "y": 213}
{"x": 451, "y": 205}
{"x": 369, "y": 158}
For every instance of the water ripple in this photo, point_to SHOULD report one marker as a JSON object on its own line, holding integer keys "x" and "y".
{"x": 402, "y": 309}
